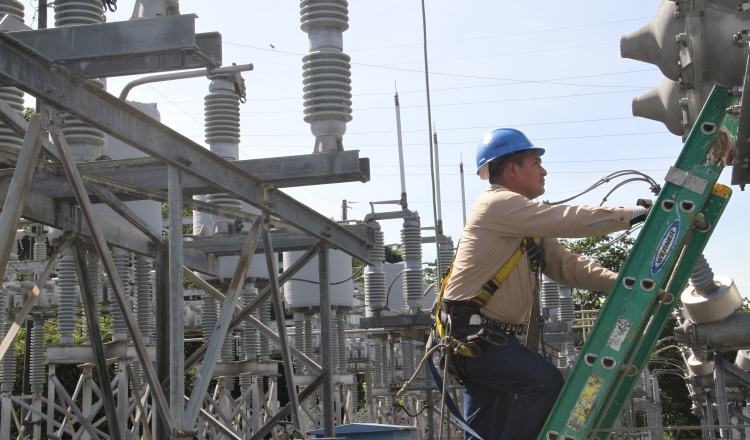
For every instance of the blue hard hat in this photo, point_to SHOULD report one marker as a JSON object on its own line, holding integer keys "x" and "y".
{"x": 498, "y": 143}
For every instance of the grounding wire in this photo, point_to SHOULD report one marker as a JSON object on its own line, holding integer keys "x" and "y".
{"x": 332, "y": 284}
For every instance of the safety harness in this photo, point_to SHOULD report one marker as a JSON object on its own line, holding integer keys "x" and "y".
{"x": 473, "y": 346}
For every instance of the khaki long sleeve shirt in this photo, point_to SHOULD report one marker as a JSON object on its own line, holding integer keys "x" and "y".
{"x": 497, "y": 224}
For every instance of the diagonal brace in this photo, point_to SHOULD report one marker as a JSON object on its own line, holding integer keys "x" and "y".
{"x": 206, "y": 369}
{"x": 101, "y": 247}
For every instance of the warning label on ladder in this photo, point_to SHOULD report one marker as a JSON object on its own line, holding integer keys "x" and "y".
{"x": 619, "y": 333}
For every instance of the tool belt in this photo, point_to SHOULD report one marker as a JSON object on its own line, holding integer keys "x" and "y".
{"x": 456, "y": 314}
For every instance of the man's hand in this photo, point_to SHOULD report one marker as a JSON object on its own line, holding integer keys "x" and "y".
{"x": 640, "y": 211}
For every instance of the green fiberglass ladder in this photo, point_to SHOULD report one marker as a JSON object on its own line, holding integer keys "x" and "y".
{"x": 656, "y": 271}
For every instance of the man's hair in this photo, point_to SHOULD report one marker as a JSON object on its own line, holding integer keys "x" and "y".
{"x": 497, "y": 166}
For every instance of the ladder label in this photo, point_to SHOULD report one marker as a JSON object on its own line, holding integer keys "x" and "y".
{"x": 585, "y": 403}
{"x": 666, "y": 245}
{"x": 619, "y": 333}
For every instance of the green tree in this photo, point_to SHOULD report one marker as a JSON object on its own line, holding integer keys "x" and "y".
{"x": 675, "y": 400}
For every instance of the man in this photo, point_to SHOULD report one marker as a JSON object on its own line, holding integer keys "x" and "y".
{"x": 511, "y": 389}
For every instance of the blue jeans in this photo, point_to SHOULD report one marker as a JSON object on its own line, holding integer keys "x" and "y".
{"x": 510, "y": 390}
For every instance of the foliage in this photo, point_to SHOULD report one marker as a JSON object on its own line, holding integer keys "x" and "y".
{"x": 675, "y": 400}
{"x": 611, "y": 257}
{"x": 28, "y": 113}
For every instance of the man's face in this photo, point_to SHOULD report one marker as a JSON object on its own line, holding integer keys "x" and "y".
{"x": 530, "y": 176}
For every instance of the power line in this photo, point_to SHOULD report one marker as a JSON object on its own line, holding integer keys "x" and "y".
{"x": 457, "y": 75}
{"x": 390, "y": 93}
{"x": 452, "y": 129}
{"x": 450, "y": 104}
{"x": 469, "y": 142}
{"x": 545, "y": 162}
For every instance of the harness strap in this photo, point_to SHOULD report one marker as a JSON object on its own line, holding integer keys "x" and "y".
{"x": 452, "y": 408}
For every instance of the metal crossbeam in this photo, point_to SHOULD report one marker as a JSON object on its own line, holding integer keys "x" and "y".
{"x": 281, "y": 172}
{"x": 29, "y": 71}
{"x": 158, "y": 44}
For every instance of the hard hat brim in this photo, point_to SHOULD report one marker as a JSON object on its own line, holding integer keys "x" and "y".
{"x": 484, "y": 171}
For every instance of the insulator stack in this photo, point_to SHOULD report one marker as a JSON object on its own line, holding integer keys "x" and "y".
{"x": 377, "y": 350}
{"x": 309, "y": 341}
{"x": 334, "y": 324}
{"x": 40, "y": 248}
{"x": 342, "y": 342}
{"x": 66, "y": 306}
{"x": 369, "y": 380}
{"x": 78, "y": 12}
{"x": 385, "y": 366}
{"x": 299, "y": 339}
{"x": 8, "y": 370}
{"x": 567, "y": 314}
{"x": 228, "y": 348}
{"x": 95, "y": 278}
{"x": 9, "y": 140}
{"x": 222, "y": 117}
{"x": 144, "y": 304}
{"x": 210, "y": 313}
{"x": 119, "y": 328}
{"x": 702, "y": 277}
{"x": 407, "y": 359}
{"x": 222, "y": 120}
{"x": 249, "y": 333}
{"x": 264, "y": 316}
{"x": 84, "y": 141}
{"x": 374, "y": 276}
{"x": 446, "y": 254}
{"x": 327, "y": 72}
{"x": 551, "y": 297}
{"x": 411, "y": 237}
{"x": 36, "y": 364}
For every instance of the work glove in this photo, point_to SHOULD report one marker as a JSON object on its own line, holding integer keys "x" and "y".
{"x": 640, "y": 211}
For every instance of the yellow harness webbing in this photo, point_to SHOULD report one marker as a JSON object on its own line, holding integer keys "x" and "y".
{"x": 485, "y": 293}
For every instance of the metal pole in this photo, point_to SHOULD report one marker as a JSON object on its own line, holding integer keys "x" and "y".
{"x": 438, "y": 199}
{"x": 438, "y": 223}
{"x": 430, "y": 416}
{"x": 176, "y": 300}
{"x": 327, "y": 411}
{"x": 102, "y": 249}
{"x": 721, "y": 395}
{"x": 205, "y": 372}
{"x": 19, "y": 187}
{"x": 161, "y": 315}
{"x": 404, "y": 202}
{"x": 273, "y": 275}
{"x": 463, "y": 190}
{"x": 95, "y": 334}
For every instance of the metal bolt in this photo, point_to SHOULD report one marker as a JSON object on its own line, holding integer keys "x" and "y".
{"x": 50, "y": 89}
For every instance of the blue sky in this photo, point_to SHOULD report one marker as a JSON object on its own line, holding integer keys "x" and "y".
{"x": 552, "y": 70}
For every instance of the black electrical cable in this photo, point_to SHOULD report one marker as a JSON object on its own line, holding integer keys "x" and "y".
{"x": 332, "y": 284}
{"x": 109, "y": 4}
{"x": 398, "y": 405}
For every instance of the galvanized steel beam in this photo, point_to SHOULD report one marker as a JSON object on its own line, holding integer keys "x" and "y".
{"x": 286, "y": 356}
{"x": 95, "y": 335}
{"x": 205, "y": 372}
{"x": 122, "y": 301}
{"x": 158, "y": 44}
{"x": 39, "y": 76}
